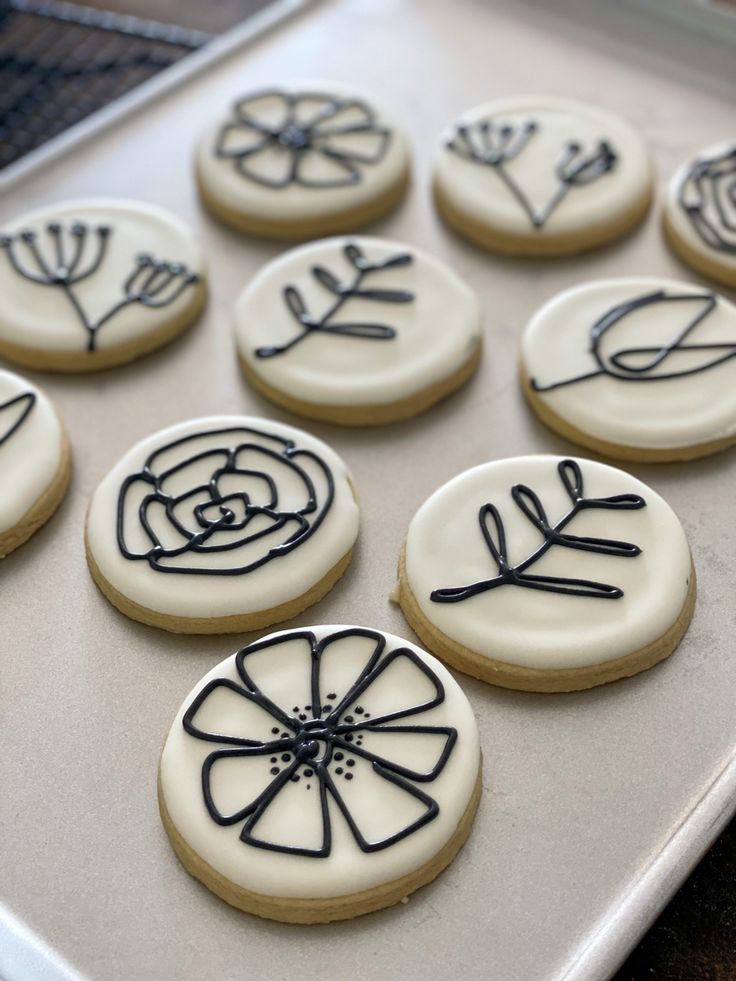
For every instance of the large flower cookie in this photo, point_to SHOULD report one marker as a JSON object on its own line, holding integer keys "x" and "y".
{"x": 641, "y": 369}
{"x": 299, "y": 160}
{"x": 547, "y": 574}
{"x": 92, "y": 283}
{"x": 357, "y": 331}
{"x": 219, "y": 524}
{"x": 321, "y": 773}
{"x": 34, "y": 460}
{"x": 542, "y": 176}
{"x": 700, "y": 212}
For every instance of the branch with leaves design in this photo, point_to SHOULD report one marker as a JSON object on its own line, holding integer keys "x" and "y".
{"x": 497, "y": 144}
{"x": 75, "y": 253}
{"x": 492, "y": 528}
{"x": 343, "y": 292}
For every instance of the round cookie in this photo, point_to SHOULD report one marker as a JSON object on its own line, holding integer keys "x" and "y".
{"x": 221, "y": 524}
{"x": 321, "y": 773}
{"x": 700, "y": 213}
{"x": 640, "y": 369}
{"x": 35, "y": 461}
{"x": 301, "y": 160}
{"x": 542, "y": 176}
{"x": 92, "y": 283}
{"x": 357, "y": 331}
{"x": 547, "y": 574}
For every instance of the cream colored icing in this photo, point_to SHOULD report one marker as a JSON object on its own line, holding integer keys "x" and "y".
{"x": 379, "y": 807}
{"x": 281, "y": 579}
{"x": 681, "y": 222}
{"x": 40, "y": 317}
{"x": 477, "y": 191}
{"x": 436, "y": 332}
{"x": 29, "y": 456}
{"x": 670, "y": 412}
{"x": 237, "y": 193}
{"x": 531, "y": 627}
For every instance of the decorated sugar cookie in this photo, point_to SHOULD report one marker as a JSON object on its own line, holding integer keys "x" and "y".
{"x": 222, "y": 524}
{"x": 321, "y": 773}
{"x": 542, "y": 176}
{"x": 34, "y": 461}
{"x": 92, "y": 283}
{"x": 357, "y": 331}
{"x": 700, "y": 213}
{"x": 641, "y": 369}
{"x": 547, "y": 574}
{"x": 301, "y": 160}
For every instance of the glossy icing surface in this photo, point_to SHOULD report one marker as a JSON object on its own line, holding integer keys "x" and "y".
{"x": 321, "y": 762}
{"x": 549, "y": 143}
{"x": 221, "y": 516}
{"x": 424, "y": 322}
{"x": 108, "y": 237}
{"x": 652, "y": 382}
{"x": 639, "y": 551}
{"x": 301, "y": 150}
{"x": 30, "y": 447}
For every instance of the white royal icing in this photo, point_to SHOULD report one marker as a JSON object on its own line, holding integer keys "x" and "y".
{"x": 436, "y": 329}
{"x": 380, "y": 808}
{"x": 42, "y": 317}
{"x": 476, "y": 190}
{"x": 30, "y": 447}
{"x": 182, "y": 498}
{"x": 701, "y": 208}
{"x": 377, "y": 149}
{"x": 635, "y": 405}
{"x": 445, "y": 548}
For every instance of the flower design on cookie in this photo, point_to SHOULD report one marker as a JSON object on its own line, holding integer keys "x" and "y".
{"x": 264, "y": 496}
{"x": 707, "y": 195}
{"x": 66, "y": 255}
{"x": 495, "y": 145}
{"x": 336, "y": 724}
{"x": 14, "y": 412}
{"x": 278, "y": 138}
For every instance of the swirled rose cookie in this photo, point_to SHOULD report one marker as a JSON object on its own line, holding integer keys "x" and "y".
{"x": 92, "y": 283}
{"x": 34, "y": 461}
{"x": 321, "y": 773}
{"x": 641, "y": 369}
{"x": 357, "y": 331}
{"x": 547, "y": 574}
{"x": 700, "y": 213}
{"x": 301, "y": 160}
{"x": 538, "y": 175}
{"x": 222, "y": 524}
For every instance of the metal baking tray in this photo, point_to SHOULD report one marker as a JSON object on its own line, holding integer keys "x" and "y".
{"x": 596, "y": 804}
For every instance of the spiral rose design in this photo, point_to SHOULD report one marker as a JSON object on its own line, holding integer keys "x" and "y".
{"x": 222, "y": 502}
{"x": 707, "y": 194}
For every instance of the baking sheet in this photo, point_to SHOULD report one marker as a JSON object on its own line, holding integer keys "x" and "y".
{"x": 596, "y": 804}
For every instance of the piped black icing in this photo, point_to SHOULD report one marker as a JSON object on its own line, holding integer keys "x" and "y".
{"x": 205, "y": 520}
{"x": 638, "y": 364}
{"x": 27, "y": 401}
{"x": 494, "y": 534}
{"x": 325, "y": 734}
{"x": 707, "y": 195}
{"x": 74, "y": 253}
{"x": 309, "y": 124}
{"x": 492, "y": 144}
{"x": 343, "y": 292}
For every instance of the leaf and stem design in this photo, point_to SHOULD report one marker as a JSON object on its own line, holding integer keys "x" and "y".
{"x": 72, "y": 254}
{"x": 496, "y": 145}
{"x": 637, "y": 364}
{"x": 707, "y": 195}
{"x": 343, "y": 292}
{"x": 24, "y": 403}
{"x": 530, "y": 505}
